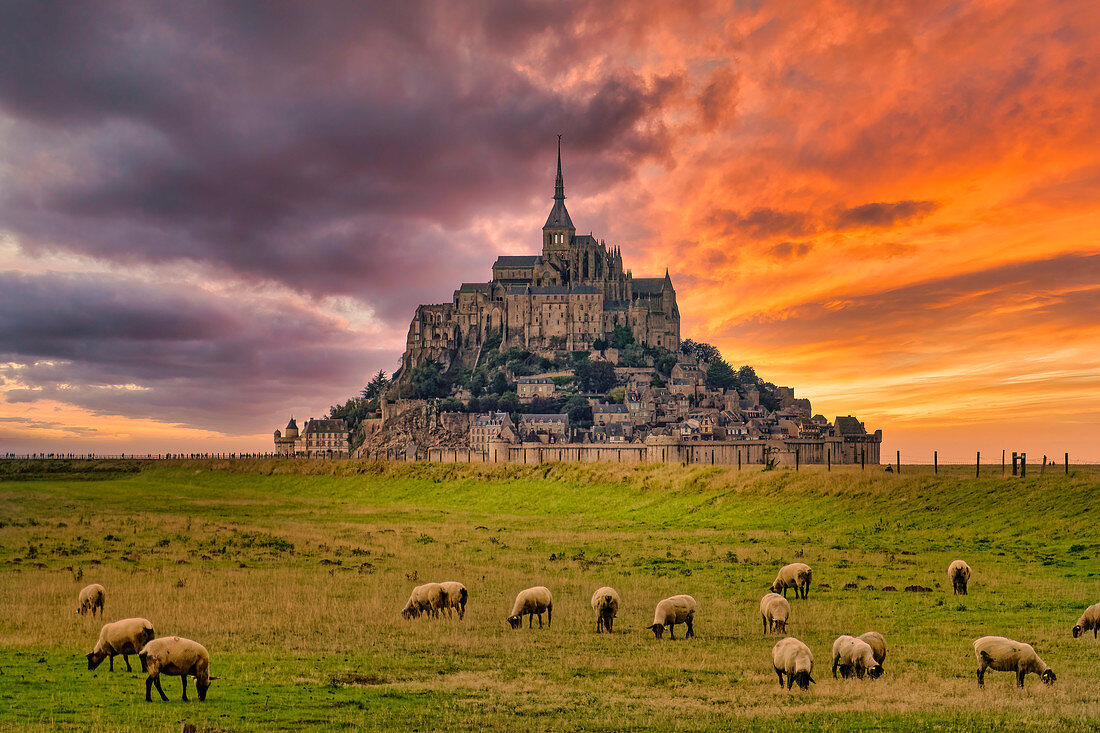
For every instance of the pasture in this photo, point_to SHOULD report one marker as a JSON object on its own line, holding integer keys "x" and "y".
{"x": 293, "y": 575}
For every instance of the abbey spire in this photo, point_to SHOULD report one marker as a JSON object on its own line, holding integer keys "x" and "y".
{"x": 558, "y": 223}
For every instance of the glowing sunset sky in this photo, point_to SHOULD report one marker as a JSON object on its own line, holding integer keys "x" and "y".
{"x": 215, "y": 215}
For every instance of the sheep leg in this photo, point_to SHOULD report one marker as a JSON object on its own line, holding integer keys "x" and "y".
{"x": 1020, "y": 678}
{"x": 126, "y": 658}
{"x": 691, "y": 630}
{"x": 112, "y": 658}
{"x": 790, "y": 680}
{"x": 672, "y": 631}
{"x": 780, "y": 673}
{"x": 609, "y": 624}
{"x": 540, "y": 620}
{"x": 531, "y": 620}
{"x": 981, "y": 677}
{"x": 184, "y": 678}
{"x": 834, "y": 668}
{"x": 549, "y": 614}
{"x": 766, "y": 625}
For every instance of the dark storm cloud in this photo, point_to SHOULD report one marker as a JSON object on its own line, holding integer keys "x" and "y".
{"x": 765, "y": 223}
{"x": 120, "y": 346}
{"x": 883, "y": 215}
{"x": 335, "y": 152}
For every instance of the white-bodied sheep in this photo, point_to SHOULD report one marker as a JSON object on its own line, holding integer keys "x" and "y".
{"x": 124, "y": 637}
{"x": 1090, "y": 619}
{"x": 428, "y": 598}
{"x": 877, "y": 643}
{"x": 797, "y": 575}
{"x": 177, "y": 657}
{"x": 1006, "y": 655}
{"x": 533, "y": 602}
{"x": 793, "y": 658}
{"x": 605, "y": 602}
{"x": 456, "y": 597}
{"x": 854, "y": 656}
{"x": 958, "y": 572}
{"x": 91, "y": 599}
{"x": 774, "y": 611}
{"x": 672, "y": 611}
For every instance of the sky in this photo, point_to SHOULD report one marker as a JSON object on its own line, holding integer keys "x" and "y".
{"x": 216, "y": 215}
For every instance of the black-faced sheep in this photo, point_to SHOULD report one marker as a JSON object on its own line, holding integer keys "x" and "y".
{"x": 605, "y": 602}
{"x": 774, "y": 612}
{"x": 1006, "y": 655}
{"x": 177, "y": 657}
{"x": 533, "y": 602}
{"x": 854, "y": 656}
{"x": 456, "y": 596}
{"x": 793, "y": 658}
{"x": 671, "y": 611}
{"x": 797, "y": 575}
{"x": 124, "y": 637}
{"x": 91, "y": 599}
{"x": 958, "y": 572}
{"x": 1090, "y": 619}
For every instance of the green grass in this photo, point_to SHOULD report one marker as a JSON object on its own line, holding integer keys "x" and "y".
{"x": 293, "y": 574}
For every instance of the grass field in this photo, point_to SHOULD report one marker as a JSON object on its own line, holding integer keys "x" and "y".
{"x": 293, "y": 576}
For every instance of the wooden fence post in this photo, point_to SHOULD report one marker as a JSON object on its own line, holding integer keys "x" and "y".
{"x": 1067, "y": 464}
{"x": 1023, "y": 465}
{"x": 1002, "y": 461}
{"x": 862, "y": 458}
{"x": 1015, "y": 459}
{"x": 796, "y": 458}
{"x": 1043, "y": 467}
{"x": 935, "y": 461}
{"x": 899, "y": 462}
{"x": 978, "y": 465}
{"x": 829, "y": 459}
{"x": 738, "y": 459}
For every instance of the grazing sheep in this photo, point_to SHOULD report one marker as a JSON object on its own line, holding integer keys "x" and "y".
{"x": 1090, "y": 619}
{"x": 794, "y": 659}
{"x": 533, "y": 602}
{"x": 1006, "y": 655}
{"x": 774, "y": 611}
{"x": 91, "y": 598}
{"x": 878, "y": 645}
{"x": 123, "y": 637}
{"x": 456, "y": 597}
{"x": 428, "y": 598}
{"x": 605, "y": 602}
{"x": 797, "y": 575}
{"x": 672, "y": 611}
{"x": 959, "y": 574}
{"x": 854, "y": 656}
{"x": 178, "y": 657}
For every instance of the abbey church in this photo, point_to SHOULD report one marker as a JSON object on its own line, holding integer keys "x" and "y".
{"x": 574, "y": 292}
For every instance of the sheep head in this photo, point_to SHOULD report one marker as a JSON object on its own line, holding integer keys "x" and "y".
{"x": 803, "y": 680}
{"x": 1048, "y": 677}
{"x": 875, "y": 672}
{"x": 657, "y": 629}
{"x": 94, "y": 659}
{"x": 1076, "y": 631}
{"x": 515, "y": 621}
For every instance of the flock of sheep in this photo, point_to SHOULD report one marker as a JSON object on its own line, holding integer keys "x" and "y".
{"x": 170, "y": 655}
{"x": 791, "y": 658}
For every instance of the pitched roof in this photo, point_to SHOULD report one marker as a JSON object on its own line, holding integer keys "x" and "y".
{"x": 474, "y": 288}
{"x": 544, "y": 417}
{"x": 609, "y": 408}
{"x": 517, "y": 261}
{"x": 326, "y": 426}
{"x": 648, "y": 285}
{"x": 848, "y": 425}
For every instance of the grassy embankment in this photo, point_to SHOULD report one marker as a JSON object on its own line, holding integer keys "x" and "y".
{"x": 293, "y": 574}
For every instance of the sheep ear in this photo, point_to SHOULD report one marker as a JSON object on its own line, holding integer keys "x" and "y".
{"x": 212, "y": 678}
{"x": 812, "y": 679}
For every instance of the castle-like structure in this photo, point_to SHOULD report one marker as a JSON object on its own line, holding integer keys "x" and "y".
{"x": 573, "y": 293}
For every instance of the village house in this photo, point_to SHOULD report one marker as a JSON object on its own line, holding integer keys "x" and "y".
{"x": 318, "y": 439}
{"x": 545, "y": 427}
{"x": 490, "y": 426}
{"x": 530, "y": 387}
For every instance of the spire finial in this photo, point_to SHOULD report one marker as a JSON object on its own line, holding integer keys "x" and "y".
{"x": 559, "y": 183}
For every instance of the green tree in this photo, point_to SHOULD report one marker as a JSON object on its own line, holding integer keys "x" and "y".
{"x": 509, "y": 402}
{"x": 599, "y": 344}
{"x": 720, "y": 375}
{"x": 617, "y": 394}
{"x": 579, "y": 411}
{"x": 499, "y": 384}
{"x": 477, "y": 384}
{"x": 621, "y": 337}
{"x": 427, "y": 381}
{"x": 632, "y": 355}
{"x": 746, "y": 375}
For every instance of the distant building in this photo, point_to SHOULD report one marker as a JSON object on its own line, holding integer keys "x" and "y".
{"x": 544, "y": 427}
{"x": 319, "y": 439}
{"x": 530, "y": 387}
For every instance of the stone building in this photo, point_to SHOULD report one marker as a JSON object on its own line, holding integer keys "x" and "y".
{"x": 574, "y": 292}
{"x": 319, "y": 439}
{"x": 530, "y": 387}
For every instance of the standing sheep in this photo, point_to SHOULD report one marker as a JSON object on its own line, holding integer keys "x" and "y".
{"x": 429, "y": 598}
{"x": 854, "y": 656}
{"x": 959, "y": 574}
{"x": 533, "y": 602}
{"x": 91, "y": 599}
{"x": 605, "y": 602}
{"x": 794, "y": 659}
{"x": 797, "y": 575}
{"x": 124, "y": 637}
{"x": 1006, "y": 655}
{"x": 672, "y": 611}
{"x": 774, "y": 611}
{"x": 877, "y": 643}
{"x": 456, "y": 597}
{"x": 178, "y": 657}
{"x": 1090, "y": 619}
